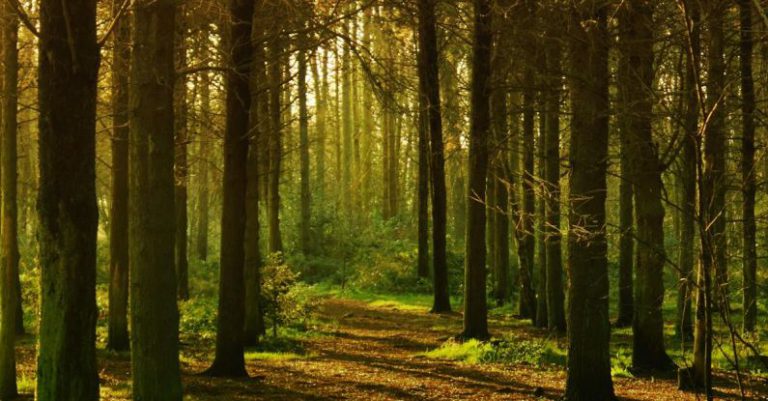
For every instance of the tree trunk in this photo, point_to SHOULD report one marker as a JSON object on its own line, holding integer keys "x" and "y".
{"x": 541, "y": 251}
{"x": 688, "y": 157}
{"x": 181, "y": 168}
{"x": 626, "y": 239}
{"x": 636, "y": 92}
{"x": 154, "y": 312}
{"x": 229, "y": 360}
{"x": 712, "y": 204}
{"x": 118, "y": 339}
{"x": 203, "y": 180}
{"x": 589, "y": 363}
{"x": 500, "y": 168}
{"x": 526, "y": 244}
{"x": 429, "y": 85}
{"x": 304, "y": 230}
{"x": 748, "y": 168}
{"x": 67, "y": 209}
{"x": 275, "y": 144}
{"x": 259, "y": 116}
{"x": 475, "y": 304}
{"x": 9, "y": 254}
{"x": 554, "y": 288}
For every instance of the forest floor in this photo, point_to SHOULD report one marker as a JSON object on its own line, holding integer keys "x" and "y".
{"x": 374, "y": 350}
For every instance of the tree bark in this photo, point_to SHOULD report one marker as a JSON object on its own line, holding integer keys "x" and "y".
{"x": 554, "y": 288}
{"x": 154, "y": 312}
{"x": 626, "y": 240}
{"x": 430, "y": 92}
{"x": 645, "y": 169}
{"x": 67, "y": 209}
{"x": 181, "y": 168}
{"x": 275, "y": 75}
{"x": 9, "y": 254}
{"x": 118, "y": 339}
{"x": 589, "y": 364}
{"x": 229, "y": 360}
{"x": 304, "y": 230}
{"x": 688, "y": 156}
{"x": 475, "y": 304}
{"x": 749, "y": 229}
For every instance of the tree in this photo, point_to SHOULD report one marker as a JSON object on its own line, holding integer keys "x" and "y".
{"x": 688, "y": 163}
{"x": 154, "y": 312}
{"x": 626, "y": 241}
{"x": 475, "y": 303}
{"x": 554, "y": 287}
{"x": 67, "y": 209}
{"x": 748, "y": 167}
{"x": 9, "y": 254}
{"x": 306, "y": 215}
{"x": 118, "y": 229}
{"x": 635, "y": 78}
{"x": 229, "y": 360}
{"x": 429, "y": 89}
{"x": 589, "y": 363}
{"x": 181, "y": 135}
{"x": 711, "y": 205}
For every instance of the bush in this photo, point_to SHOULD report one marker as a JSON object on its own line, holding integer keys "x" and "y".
{"x": 285, "y": 300}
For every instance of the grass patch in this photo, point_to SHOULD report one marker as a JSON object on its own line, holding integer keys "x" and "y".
{"x": 506, "y": 350}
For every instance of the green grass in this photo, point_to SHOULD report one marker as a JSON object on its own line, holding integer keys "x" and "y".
{"x": 471, "y": 352}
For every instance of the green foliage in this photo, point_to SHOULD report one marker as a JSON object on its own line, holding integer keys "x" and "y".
{"x": 621, "y": 363}
{"x": 285, "y": 300}
{"x": 508, "y": 350}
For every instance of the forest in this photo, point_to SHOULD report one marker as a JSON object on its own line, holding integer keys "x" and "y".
{"x": 383, "y": 200}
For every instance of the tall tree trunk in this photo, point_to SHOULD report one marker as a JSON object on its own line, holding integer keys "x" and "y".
{"x": 429, "y": 85}
{"x": 541, "y": 251}
{"x": 346, "y": 127}
{"x": 500, "y": 168}
{"x": 275, "y": 62}
{"x": 67, "y": 210}
{"x": 229, "y": 360}
{"x": 748, "y": 168}
{"x": 475, "y": 303}
{"x": 118, "y": 235}
{"x": 589, "y": 363}
{"x": 422, "y": 190}
{"x": 9, "y": 254}
{"x": 321, "y": 107}
{"x": 154, "y": 312}
{"x": 181, "y": 168}
{"x": 526, "y": 244}
{"x": 554, "y": 288}
{"x": 626, "y": 305}
{"x": 645, "y": 169}
{"x": 688, "y": 156}
{"x": 712, "y": 204}
{"x": 259, "y": 128}
{"x": 203, "y": 180}
{"x": 304, "y": 234}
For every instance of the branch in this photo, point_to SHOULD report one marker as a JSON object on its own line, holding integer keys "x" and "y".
{"x": 113, "y": 24}
{"x": 23, "y": 17}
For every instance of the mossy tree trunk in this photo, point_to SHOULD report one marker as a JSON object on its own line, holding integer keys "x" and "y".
{"x": 67, "y": 210}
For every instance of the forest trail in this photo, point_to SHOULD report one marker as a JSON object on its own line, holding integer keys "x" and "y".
{"x": 371, "y": 351}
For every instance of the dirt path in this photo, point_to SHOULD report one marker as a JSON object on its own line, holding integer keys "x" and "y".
{"x": 371, "y": 353}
